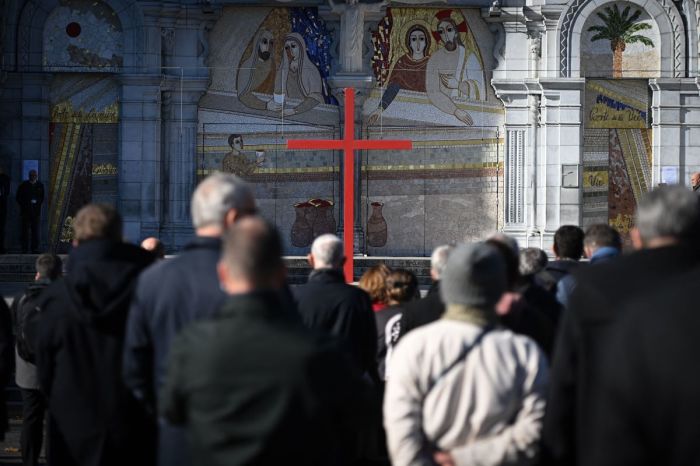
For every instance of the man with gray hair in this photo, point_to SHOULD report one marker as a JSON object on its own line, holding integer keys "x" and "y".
{"x": 665, "y": 236}
{"x": 464, "y": 390}
{"x": 430, "y": 308}
{"x": 159, "y": 312}
{"x": 326, "y": 303}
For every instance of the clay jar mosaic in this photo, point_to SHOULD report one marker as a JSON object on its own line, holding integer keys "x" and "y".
{"x": 302, "y": 233}
{"x": 376, "y": 226}
{"x": 314, "y": 217}
{"x": 324, "y": 220}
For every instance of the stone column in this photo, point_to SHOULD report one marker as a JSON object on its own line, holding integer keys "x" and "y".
{"x": 550, "y": 43}
{"x": 34, "y": 138}
{"x": 184, "y": 50}
{"x": 140, "y": 158}
{"x": 675, "y": 126}
{"x": 180, "y": 156}
{"x": 519, "y": 147}
{"x": 514, "y": 81}
{"x": 562, "y": 144}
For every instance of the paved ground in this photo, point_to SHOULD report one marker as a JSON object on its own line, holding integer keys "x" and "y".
{"x": 9, "y": 449}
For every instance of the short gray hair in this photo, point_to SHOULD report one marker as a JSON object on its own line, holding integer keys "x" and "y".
{"x": 327, "y": 251}
{"x": 532, "y": 260}
{"x": 438, "y": 259}
{"x": 216, "y": 195}
{"x": 669, "y": 211}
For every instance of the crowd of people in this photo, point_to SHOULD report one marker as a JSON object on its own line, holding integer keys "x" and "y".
{"x": 212, "y": 358}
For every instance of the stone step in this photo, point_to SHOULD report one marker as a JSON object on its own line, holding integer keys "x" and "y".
{"x": 17, "y": 270}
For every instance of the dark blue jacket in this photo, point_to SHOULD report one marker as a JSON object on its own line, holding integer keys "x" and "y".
{"x": 170, "y": 295}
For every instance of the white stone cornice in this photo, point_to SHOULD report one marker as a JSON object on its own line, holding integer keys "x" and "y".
{"x": 683, "y": 86}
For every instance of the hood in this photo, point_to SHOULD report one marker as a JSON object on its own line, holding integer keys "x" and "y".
{"x": 101, "y": 278}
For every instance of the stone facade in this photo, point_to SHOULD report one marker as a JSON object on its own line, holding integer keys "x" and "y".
{"x": 515, "y": 108}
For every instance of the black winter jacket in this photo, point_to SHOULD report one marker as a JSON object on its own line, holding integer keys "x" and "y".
{"x": 80, "y": 339}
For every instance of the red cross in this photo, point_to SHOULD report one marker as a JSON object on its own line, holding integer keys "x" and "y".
{"x": 348, "y": 145}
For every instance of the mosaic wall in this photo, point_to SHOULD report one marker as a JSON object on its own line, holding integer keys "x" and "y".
{"x": 617, "y": 151}
{"x": 432, "y": 68}
{"x": 83, "y": 35}
{"x": 620, "y": 40}
{"x": 448, "y": 188}
{"x": 83, "y": 149}
{"x": 430, "y": 71}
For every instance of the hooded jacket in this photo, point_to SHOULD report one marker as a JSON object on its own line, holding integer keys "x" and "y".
{"x": 80, "y": 338}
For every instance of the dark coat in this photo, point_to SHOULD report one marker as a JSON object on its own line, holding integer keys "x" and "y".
{"x": 647, "y": 411}
{"x": 327, "y": 304}
{"x": 28, "y": 192}
{"x": 7, "y": 359}
{"x": 80, "y": 341}
{"x": 555, "y": 271}
{"x": 584, "y": 338}
{"x": 423, "y": 311}
{"x": 540, "y": 299}
{"x": 255, "y": 387}
{"x": 158, "y": 314}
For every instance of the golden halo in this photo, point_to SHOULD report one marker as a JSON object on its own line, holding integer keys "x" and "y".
{"x": 409, "y": 25}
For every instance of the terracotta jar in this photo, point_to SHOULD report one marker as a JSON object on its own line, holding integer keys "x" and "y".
{"x": 376, "y": 226}
{"x": 302, "y": 233}
{"x": 324, "y": 217}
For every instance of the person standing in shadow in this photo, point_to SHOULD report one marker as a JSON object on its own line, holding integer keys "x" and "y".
{"x": 30, "y": 196}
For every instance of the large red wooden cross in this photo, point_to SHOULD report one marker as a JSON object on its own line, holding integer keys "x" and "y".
{"x": 348, "y": 145}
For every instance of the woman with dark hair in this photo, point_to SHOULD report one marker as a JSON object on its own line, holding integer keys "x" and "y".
{"x": 401, "y": 287}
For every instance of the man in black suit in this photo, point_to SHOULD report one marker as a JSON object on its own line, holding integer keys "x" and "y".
{"x": 430, "y": 308}
{"x": 666, "y": 232}
{"x": 30, "y": 196}
{"x": 4, "y": 195}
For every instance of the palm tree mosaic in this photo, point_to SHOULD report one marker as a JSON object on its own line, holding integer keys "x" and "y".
{"x": 620, "y": 29}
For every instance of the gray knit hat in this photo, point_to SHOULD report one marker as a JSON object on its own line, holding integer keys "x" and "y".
{"x": 475, "y": 276}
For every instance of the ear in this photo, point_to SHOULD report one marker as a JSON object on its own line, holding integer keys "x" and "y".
{"x": 310, "y": 260}
{"x": 37, "y": 276}
{"x": 636, "y": 238}
{"x": 75, "y": 243}
{"x": 230, "y": 218}
{"x": 222, "y": 273}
